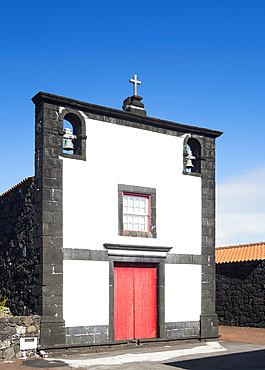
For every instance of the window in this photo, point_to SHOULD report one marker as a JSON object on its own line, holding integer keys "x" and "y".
{"x": 136, "y": 212}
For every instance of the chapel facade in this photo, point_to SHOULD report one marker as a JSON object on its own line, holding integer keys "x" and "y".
{"x": 124, "y": 225}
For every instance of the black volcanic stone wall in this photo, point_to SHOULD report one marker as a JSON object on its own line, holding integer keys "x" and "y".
{"x": 240, "y": 297}
{"x": 18, "y": 259}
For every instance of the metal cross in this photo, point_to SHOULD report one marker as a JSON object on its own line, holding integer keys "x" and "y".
{"x": 135, "y": 82}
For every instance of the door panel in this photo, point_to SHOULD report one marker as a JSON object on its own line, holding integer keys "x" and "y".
{"x": 134, "y": 301}
{"x": 123, "y": 303}
{"x": 145, "y": 302}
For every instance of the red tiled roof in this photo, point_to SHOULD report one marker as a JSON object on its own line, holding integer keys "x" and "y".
{"x": 240, "y": 253}
{"x": 18, "y": 185}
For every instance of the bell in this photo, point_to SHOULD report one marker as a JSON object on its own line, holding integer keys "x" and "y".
{"x": 189, "y": 163}
{"x": 68, "y": 145}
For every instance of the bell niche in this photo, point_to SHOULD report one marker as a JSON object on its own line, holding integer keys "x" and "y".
{"x": 74, "y": 134}
{"x": 192, "y": 155}
{"x": 68, "y": 138}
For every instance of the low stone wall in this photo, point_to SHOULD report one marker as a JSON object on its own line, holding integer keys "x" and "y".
{"x": 14, "y": 328}
{"x": 240, "y": 293}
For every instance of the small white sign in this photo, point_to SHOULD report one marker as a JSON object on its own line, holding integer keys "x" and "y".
{"x": 28, "y": 343}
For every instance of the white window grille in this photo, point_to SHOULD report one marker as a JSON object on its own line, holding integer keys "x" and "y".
{"x": 136, "y": 213}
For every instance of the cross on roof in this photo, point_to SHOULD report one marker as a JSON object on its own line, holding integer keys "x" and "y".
{"x": 135, "y": 82}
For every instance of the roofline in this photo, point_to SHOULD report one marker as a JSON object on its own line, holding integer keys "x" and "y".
{"x": 17, "y": 186}
{"x": 233, "y": 256}
{"x": 120, "y": 114}
{"x": 241, "y": 261}
{"x": 239, "y": 245}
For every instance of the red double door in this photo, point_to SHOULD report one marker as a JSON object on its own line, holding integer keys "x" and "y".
{"x": 134, "y": 301}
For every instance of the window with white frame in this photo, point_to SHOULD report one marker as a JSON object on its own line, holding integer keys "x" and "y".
{"x": 136, "y": 212}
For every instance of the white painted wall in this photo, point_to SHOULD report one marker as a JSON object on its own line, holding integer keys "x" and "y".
{"x": 85, "y": 293}
{"x": 125, "y": 155}
{"x": 182, "y": 293}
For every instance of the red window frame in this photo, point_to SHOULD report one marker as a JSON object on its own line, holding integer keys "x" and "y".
{"x": 148, "y": 215}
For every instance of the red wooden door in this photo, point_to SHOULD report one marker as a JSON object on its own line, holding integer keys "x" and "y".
{"x": 123, "y": 303}
{"x": 134, "y": 301}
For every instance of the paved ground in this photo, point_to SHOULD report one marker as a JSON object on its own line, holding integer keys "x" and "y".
{"x": 239, "y": 348}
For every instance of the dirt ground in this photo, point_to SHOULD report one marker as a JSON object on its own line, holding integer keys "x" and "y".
{"x": 242, "y": 335}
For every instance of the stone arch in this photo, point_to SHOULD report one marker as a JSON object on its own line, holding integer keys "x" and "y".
{"x": 78, "y": 124}
{"x": 195, "y": 144}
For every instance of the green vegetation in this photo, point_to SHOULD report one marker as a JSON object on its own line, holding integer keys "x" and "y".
{"x": 4, "y": 310}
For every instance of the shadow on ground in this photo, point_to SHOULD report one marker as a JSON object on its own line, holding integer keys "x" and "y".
{"x": 40, "y": 363}
{"x": 254, "y": 360}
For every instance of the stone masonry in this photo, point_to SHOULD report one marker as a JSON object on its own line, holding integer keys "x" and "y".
{"x": 18, "y": 257}
{"x": 240, "y": 294}
{"x": 14, "y": 328}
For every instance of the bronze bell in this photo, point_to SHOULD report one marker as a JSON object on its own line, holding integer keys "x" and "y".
{"x": 68, "y": 145}
{"x": 189, "y": 163}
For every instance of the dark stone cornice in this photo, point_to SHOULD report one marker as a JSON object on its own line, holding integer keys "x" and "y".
{"x": 123, "y": 115}
{"x": 137, "y": 247}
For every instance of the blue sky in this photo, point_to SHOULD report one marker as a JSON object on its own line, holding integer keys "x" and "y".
{"x": 200, "y": 62}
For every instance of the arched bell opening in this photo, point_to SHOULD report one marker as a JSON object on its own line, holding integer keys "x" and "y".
{"x": 74, "y": 133}
{"x": 68, "y": 137}
{"x": 193, "y": 156}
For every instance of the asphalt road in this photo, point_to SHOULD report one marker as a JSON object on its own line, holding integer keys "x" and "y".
{"x": 191, "y": 356}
